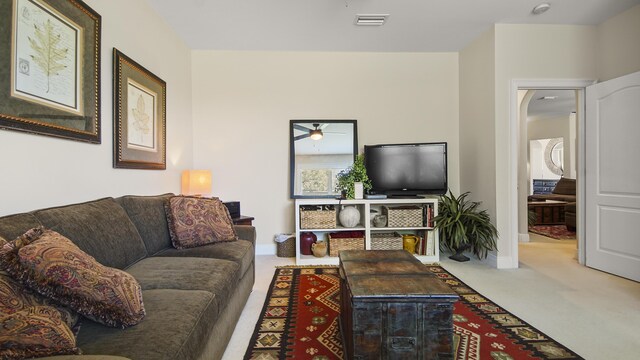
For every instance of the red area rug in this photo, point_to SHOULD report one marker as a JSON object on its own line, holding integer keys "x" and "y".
{"x": 559, "y": 232}
{"x": 300, "y": 321}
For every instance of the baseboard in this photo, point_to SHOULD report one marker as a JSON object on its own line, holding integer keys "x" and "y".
{"x": 492, "y": 259}
{"x": 265, "y": 249}
{"x": 523, "y": 238}
{"x": 505, "y": 262}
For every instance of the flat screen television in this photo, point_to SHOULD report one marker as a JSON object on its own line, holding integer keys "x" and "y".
{"x": 407, "y": 169}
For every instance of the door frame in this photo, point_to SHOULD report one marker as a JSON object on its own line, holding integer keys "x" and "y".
{"x": 514, "y": 124}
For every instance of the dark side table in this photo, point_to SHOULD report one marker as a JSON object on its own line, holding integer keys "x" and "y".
{"x": 243, "y": 220}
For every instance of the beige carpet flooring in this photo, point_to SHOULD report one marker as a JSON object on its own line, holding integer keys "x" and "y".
{"x": 593, "y": 313}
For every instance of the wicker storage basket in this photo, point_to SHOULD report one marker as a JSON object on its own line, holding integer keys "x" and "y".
{"x": 338, "y": 242}
{"x": 404, "y": 216}
{"x": 318, "y": 217}
{"x": 287, "y": 248}
{"x": 386, "y": 241}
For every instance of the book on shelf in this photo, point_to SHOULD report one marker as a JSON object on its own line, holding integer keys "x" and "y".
{"x": 427, "y": 215}
{"x": 431, "y": 242}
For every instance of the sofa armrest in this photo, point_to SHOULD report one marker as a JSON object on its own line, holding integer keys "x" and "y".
{"x": 84, "y": 357}
{"x": 246, "y": 232}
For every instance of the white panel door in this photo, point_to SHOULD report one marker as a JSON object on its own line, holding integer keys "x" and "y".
{"x": 612, "y": 176}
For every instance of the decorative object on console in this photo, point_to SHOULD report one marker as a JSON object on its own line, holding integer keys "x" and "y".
{"x": 386, "y": 241}
{"x": 139, "y": 116}
{"x": 317, "y": 217}
{"x": 349, "y": 216}
{"x": 349, "y": 176}
{"x": 307, "y": 239}
{"x": 319, "y": 249}
{"x": 345, "y": 240}
{"x": 358, "y": 190}
{"x": 409, "y": 243}
{"x": 404, "y": 216}
{"x": 197, "y": 221}
{"x": 380, "y": 220}
{"x": 51, "y": 87}
{"x": 103, "y": 294}
{"x": 462, "y": 225}
{"x": 196, "y": 183}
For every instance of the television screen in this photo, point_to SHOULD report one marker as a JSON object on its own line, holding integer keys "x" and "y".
{"x": 407, "y": 169}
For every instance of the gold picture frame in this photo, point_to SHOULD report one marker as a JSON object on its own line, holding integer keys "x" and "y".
{"x": 139, "y": 116}
{"x": 50, "y": 65}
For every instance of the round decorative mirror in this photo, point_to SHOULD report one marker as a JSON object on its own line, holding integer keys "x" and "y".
{"x": 554, "y": 156}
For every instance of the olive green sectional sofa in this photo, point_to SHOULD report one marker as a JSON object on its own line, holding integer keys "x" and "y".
{"x": 193, "y": 297}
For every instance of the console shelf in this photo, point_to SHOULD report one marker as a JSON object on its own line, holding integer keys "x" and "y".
{"x": 366, "y": 206}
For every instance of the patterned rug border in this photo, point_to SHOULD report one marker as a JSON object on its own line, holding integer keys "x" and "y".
{"x": 290, "y": 316}
{"x": 550, "y": 235}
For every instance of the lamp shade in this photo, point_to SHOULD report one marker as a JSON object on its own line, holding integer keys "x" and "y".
{"x": 196, "y": 182}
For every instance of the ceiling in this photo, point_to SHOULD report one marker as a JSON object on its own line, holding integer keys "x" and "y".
{"x": 327, "y": 25}
{"x": 563, "y": 104}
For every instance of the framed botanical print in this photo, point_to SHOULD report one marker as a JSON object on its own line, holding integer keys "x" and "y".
{"x": 139, "y": 116}
{"x": 50, "y": 66}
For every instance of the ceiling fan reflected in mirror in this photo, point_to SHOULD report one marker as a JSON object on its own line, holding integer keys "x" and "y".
{"x": 316, "y": 133}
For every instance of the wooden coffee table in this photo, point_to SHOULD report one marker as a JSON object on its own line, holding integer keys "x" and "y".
{"x": 550, "y": 212}
{"x": 393, "y": 307}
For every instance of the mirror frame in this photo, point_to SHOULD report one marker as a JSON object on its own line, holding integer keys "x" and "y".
{"x": 292, "y": 155}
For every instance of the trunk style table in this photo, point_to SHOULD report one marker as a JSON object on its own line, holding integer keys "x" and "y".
{"x": 393, "y": 307}
{"x": 550, "y": 212}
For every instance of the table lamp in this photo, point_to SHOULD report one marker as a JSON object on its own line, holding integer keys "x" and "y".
{"x": 196, "y": 182}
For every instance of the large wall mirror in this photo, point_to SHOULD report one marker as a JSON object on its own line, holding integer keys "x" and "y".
{"x": 319, "y": 150}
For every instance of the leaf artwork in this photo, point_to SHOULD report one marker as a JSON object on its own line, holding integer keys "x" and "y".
{"x": 49, "y": 56}
{"x": 141, "y": 122}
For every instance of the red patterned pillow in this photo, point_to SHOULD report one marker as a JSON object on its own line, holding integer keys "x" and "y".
{"x": 34, "y": 332}
{"x": 52, "y": 265}
{"x": 198, "y": 221}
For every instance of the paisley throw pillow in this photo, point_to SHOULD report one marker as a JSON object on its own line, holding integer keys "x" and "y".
{"x": 197, "y": 221}
{"x": 35, "y": 331}
{"x": 53, "y": 266}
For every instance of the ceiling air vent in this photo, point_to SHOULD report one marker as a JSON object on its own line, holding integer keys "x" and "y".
{"x": 371, "y": 20}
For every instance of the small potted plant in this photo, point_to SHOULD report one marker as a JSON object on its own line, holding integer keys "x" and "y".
{"x": 464, "y": 227}
{"x": 349, "y": 176}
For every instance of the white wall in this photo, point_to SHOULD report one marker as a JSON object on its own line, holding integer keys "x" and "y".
{"x": 40, "y": 171}
{"x": 477, "y": 127}
{"x": 618, "y": 49}
{"x": 548, "y": 127}
{"x": 243, "y": 101}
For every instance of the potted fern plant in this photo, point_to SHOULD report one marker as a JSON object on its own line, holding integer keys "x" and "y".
{"x": 464, "y": 227}
{"x": 354, "y": 173}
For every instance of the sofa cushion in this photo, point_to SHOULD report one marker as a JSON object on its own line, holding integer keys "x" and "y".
{"x": 101, "y": 228}
{"x": 214, "y": 275}
{"x": 240, "y": 252}
{"x": 198, "y": 221}
{"x": 15, "y": 225}
{"x": 55, "y": 267}
{"x": 565, "y": 187}
{"x": 246, "y": 232}
{"x": 35, "y": 331}
{"x": 177, "y": 327}
{"x": 147, "y": 214}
